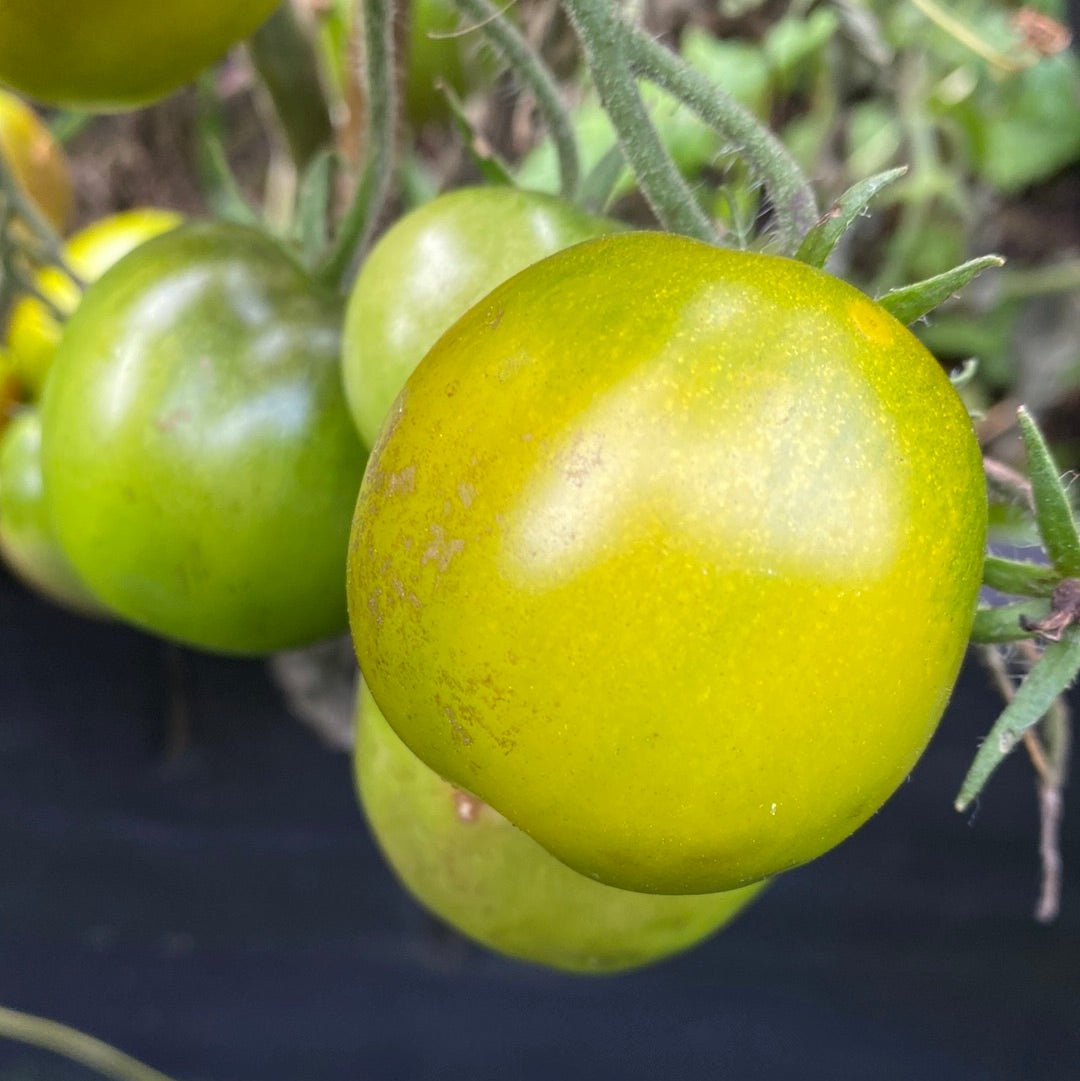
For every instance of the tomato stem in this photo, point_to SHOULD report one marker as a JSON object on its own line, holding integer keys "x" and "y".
{"x": 608, "y": 40}
{"x": 530, "y": 68}
{"x": 74, "y": 1045}
{"x": 618, "y": 52}
{"x": 50, "y": 248}
{"x": 381, "y": 101}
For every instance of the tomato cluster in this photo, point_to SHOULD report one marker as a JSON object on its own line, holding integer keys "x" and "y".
{"x": 660, "y": 571}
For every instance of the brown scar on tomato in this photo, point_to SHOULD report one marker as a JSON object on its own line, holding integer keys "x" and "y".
{"x": 466, "y": 806}
{"x": 441, "y": 549}
{"x": 403, "y": 482}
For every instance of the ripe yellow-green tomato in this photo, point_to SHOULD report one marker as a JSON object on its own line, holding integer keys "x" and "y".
{"x": 670, "y": 554}
{"x": 37, "y": 160}
{"x": 429, "y": 268}
{"x": 102, "y": 55}
{"x": 33, "y": 330}
{"x": 468, "y": 865}
{"x": 28, "y": 543}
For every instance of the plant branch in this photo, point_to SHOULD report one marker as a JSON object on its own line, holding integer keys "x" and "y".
{"x": 607, "y": 38}
{"x": 528, "y": 66}
{"x": 74, "y": 1045}
{"x": 50, "y": 246}
{"x": 791, "y": 194}
{"x": 373, "y": 189}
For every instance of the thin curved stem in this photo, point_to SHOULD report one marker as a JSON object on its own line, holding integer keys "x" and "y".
{"x": 528, "y": 66}
{"x": 609, "y": 44}
{"x": 51, "y": 247}
{"x": 382, "y": 113}
{"x": 791, "y": 194}
{"x": 74, "y": 1045}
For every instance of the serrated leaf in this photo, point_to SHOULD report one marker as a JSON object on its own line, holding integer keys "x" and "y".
{"x": 1051, "y": 675}
{"x": 1001, "y": 624}
{"x": 912, "y": 302}
{"x": 1053, "y": 513}
{"x": 820, "y": 242}
{"x": 1019, "y": 577}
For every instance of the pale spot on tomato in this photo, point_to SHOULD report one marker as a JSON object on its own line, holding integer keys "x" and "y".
{"x": 873, "y": 322}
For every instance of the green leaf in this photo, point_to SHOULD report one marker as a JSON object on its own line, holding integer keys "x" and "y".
{"x": 1052, "y": 510}
{"x": 819, "y": 243}
{"x": 1019, "y": 577}
{"x": 1051, "y": 675}
{"x": 600, "y": 186}
{"x": 912, "y": 302}
{"x": 1002, "y": 623}
{"x": 1031, "y": 126}
{"x": 311, "y": 217}
{"x": 495, "y": 171}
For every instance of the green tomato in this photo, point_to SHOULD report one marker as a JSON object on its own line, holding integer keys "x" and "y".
{"x": 99, "y": 55}
{"x": 27, "y": 540}
{"x": 670, "y": 554}
{"x": 469, "y": 866}
{"x": 429, "y": 268}
{"x": 199, "y": 459}
{"x": 37, "y": 161}
{"x": 33, "y": 331}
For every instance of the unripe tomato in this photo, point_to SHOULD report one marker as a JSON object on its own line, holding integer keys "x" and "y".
{"x": 27, "y": 540}
{"x": 468, "y": 865}
{"x": 100, "y": 55}
{"x": 670, "y": 554}
{"x": 199, "y": 460}
{"x": 33, "y": 330}
{"x": 429, "y": 268}
{"x": 36, "y": 159}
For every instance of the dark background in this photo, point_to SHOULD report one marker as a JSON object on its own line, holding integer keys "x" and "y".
{"x": 220, "y": 911}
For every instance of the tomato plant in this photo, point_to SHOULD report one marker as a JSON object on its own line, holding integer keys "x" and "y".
{"x": 670, "y": 554}
{"x": 27, "y": 540}
{"x": 198, "y": 455}
{"x": 33, "y": 330}
{"x": 429, "y": 268}
{"x": 37, "y": 160}
{"x": 466, "y": 863}
{"x": 114, "y": 54}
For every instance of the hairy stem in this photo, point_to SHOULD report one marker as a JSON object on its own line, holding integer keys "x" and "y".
{"x": 607, "y": 38}
{"x": 530, "y": 68}
{"x": 790, "y": 193}
{"x": 373, "y": 189}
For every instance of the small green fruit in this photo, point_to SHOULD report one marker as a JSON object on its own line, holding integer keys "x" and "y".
{"x": 470, "y": 866}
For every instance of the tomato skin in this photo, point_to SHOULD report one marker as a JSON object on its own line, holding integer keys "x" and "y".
{"x": 27, "y": 540}
{"x": 104, "y": 55}
{"x": 670, "y": 554}
{"x": 429, "y": 268}
{"x": 469, "y": 866}
{"x": 33, "y": 331}
{"x": 198, "y": 456}
{"x": 37, "y": 160}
